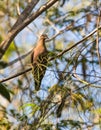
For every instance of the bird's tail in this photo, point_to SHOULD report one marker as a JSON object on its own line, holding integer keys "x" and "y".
{"x": 37, "y": 78}
{"x": 37, "y": 85}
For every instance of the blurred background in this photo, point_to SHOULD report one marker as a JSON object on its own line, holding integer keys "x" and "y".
{"x": 70, "y": 94}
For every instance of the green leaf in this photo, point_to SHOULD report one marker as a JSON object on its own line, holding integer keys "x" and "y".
{"x": 30, "y": 106}
{"x": 4, "y": 92}
{"x": 9, "y": 51}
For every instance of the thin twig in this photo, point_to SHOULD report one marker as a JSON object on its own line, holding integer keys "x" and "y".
{"x": 15, "y": 75}
{"x": 97, "y": 39}
{"x": 20, "y": 60}
{"x": 21, "y": 57}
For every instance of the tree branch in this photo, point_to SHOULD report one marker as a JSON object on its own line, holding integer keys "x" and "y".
{"x": 68, "y": 49}
{"x": 16, "y": 75}
{"x": 25, "y": 13}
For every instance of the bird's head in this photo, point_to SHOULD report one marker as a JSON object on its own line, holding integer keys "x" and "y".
{"x": 44, "y": 36}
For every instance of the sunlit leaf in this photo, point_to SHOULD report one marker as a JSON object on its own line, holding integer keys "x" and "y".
{"x": 9, "y": 51}
{"x": 31, "y": 107}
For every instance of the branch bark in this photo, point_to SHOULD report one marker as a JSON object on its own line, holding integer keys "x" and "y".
{"x": 25, "y": 13}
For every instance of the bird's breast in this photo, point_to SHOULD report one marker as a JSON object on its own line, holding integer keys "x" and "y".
{"x": 39, "y": 54}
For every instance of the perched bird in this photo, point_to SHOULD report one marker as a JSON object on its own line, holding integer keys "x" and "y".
{"x": 39, "y": 60}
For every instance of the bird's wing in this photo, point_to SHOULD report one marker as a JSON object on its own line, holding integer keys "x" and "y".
{"x": 32, "y": 57}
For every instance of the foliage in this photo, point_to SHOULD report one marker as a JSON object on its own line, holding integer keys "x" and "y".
{"x": 4, "y": 92}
